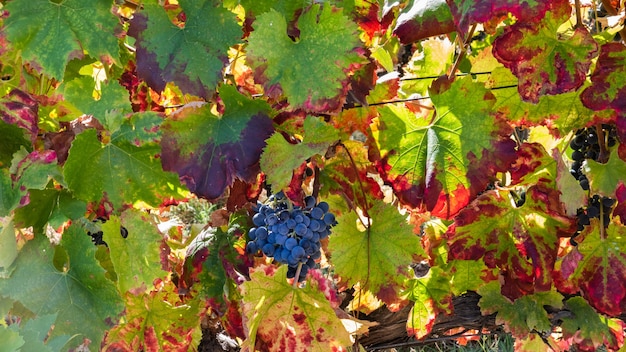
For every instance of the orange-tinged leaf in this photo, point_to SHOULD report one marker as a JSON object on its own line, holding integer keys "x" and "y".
{"x": 279, "y": 317}
{"x": 431, "y": 294}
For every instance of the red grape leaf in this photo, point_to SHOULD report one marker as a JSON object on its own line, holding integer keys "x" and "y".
{"x": 326, "y": 47}
{"x": 422, "y": 19}
{"x": 157, "y": 321}
{"x": 468, "y": 12}
{"x": 20, "y": 109}
{"x": 208, "y": 152}
{"x": 62, "y": 30}
{"x": 378, "y": 256}
{"x": 607, "y": 90}
{"x": 522, "y": 241}
{"x": 524, "y": 314}
{"x": 431, "y": 294}
{"x": 192, "y": 56}
{"x": 545, "y": 61}
{"x": 597, "y": 266}
{"x": 442, "y": 160}
{"x": 280, "y": 317}
{"x": 585, "y": 328}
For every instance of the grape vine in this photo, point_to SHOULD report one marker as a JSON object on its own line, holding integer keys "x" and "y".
{"x": 268, "y": 175}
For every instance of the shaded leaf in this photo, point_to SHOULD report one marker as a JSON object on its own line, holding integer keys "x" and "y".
{"x": 607, "y": 90}
{"x": 283, "y": 318}
{"x": 8, "y": 244}
{"x": 86, "y": 303}
{"x": 22, "y": 110}
{"x": 521, "y": 241}
{"x": 35, "y": 169}
{"x": 378, "y": 256}
{"x": 522, "y": 315}
{"x": 326, "y": 47}
{"x": 440, "y": 161}
{"x": 468, "y": 12}
{"x": 421, "y": 19}
{"x": 604, "y": 178}
{"x": 11, "y": 340}
{"x": 113, "y": 99}
{"x": 62, "y": 30}
{"x": 585, "y": 328}
{"x": 545, "y": 61}
{"x": 193, "y": 55}
{"x": 118, "y": 170}
{"x": 280, "y": 158}
{"x": 49, "y": 206}
{"x": 35, "y": 333}
{"x": 136, "y": 258}
{"x": 209, "y": 152}
{"x": 9, "y": 196}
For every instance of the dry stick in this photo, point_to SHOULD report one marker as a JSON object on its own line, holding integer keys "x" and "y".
{"x": 457, "y": 63}
{"x": 612, "y": 11}
{"x": 579, "y": 17}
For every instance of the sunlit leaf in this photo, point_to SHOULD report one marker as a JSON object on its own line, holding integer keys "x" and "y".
{"x": 421, "y": 19}
{"x": 431, "y": 294}
{"x": 280, "y": 317}
{"x": 607, "y": 91}
{"x": 586, "y": 328}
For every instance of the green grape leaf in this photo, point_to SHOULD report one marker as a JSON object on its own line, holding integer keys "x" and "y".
{"x": 209, "y": 152}
{"x": 157, "y": 321}
{"x": 519, "y": 240}
{"x": 280, "y": 157}
{"x": 585, "y": 328}
{"x": 326, "y": 47}
{"x": 34, "y": 170}
{"x": 432, "y": 294}
{"x": 442, "y": 160}
{"x": 35, "y": 333}
{"x": 9, "y": 196}
{"x": 121, "y": 171}
{"x": 378, "y": 256}
{"x": 63, "y": 29}
{"x": 280, "y": 317}
{"x": 545, "y": 61}
{"x": 136, "y": 258}
{"x": 192, "y": 55}
{"x": 604, "y": 178}
{"x": 596, "y": 267}
{"x": 13, "y": 139}
{"x": 469, "y": 275}
{"x": 11, "y": 340}
{"x": 285, "y": 7}
{"x": 8, "y": 244}
{"x": 113, "y": 98}
{"x": 422, "y": 19}
{"x": 49, "y": 206}
{"x": 86, "y": 303}
{"x": 523, "y": 315}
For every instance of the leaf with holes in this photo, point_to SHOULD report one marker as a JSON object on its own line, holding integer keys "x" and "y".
{"x": 596, "y": 267}
{"x": 376, "y": 257}
{"x": 432, "y": 295}
{"x": 86, "y": 302}
{"x": 119, "y": 170}
{"x": 136, "y": 258}
{"x": 280, "y": 158}
{"x": 192, "y": 55}
{"x": 522, "y": 315}
{"x": 326, "y": 46}
{"x": 545, "y": 61}
{"x": 157, "y": 321}
{"x": 208, "y": 151}
{"x": 441, "y": 160}
{"x": 280, "y": 317}
{"x": 63, "y": 29}
{"x": 468, "y": 12}
{"x": 522, "y": 241}
{"x": 607, "y": 90}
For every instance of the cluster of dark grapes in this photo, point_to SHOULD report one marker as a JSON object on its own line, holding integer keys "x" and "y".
{"x": 587, "y": 145}
{"x": 96, "y": 235}
{"x": 596, "y": 206}
{"x": 291, "y": 234}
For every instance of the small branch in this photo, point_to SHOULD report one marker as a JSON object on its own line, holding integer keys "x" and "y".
{"x": 297, "y": 276}
{"x": 461, "y": 56}
{"x": 579, "y": 17}
{"x": 604, "y": 153}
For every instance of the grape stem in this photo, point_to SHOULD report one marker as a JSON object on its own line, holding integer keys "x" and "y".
{"x": 297, "y": 276}
{"x": 604, "y": 155}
